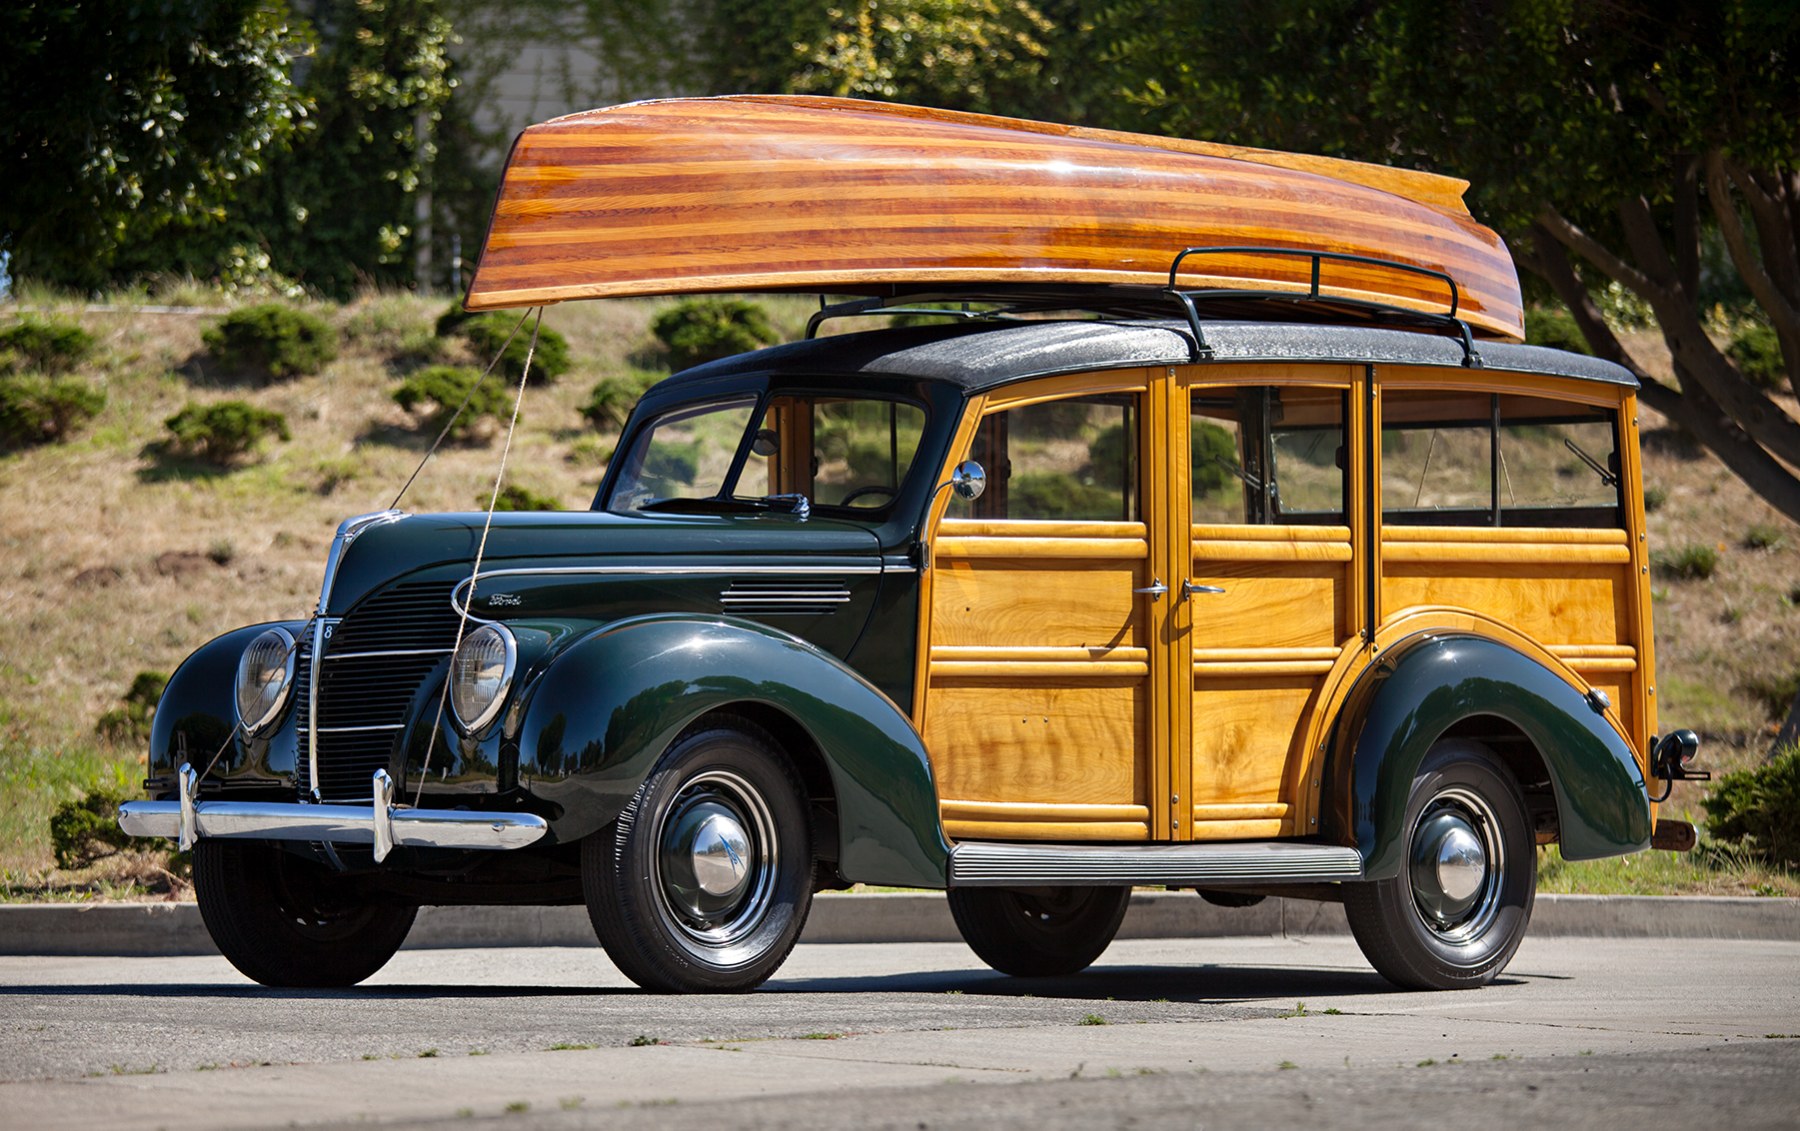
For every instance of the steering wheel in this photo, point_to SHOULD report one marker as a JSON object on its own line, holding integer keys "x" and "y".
{"x": 872, "y": 489}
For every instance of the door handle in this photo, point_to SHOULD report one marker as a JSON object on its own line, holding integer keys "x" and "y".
{"x": 1188, "y": 588}
{"x": 1155, "y": 589}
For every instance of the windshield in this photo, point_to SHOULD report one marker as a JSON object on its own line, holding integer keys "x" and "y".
{"x": 830, "y": 450}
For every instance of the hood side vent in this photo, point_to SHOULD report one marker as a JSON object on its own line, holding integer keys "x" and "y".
{"x": 785, "y": 597}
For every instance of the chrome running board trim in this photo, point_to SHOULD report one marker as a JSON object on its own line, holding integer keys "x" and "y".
{"x": 990, "y": 864}
{"x": 379, "y": 825}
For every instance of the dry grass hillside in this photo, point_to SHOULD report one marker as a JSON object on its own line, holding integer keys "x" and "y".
{"x": 117, "y": 559}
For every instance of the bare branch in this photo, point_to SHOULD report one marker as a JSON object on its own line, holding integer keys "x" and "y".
{"x": 1783, "y": 313}
{"x": 1594, "y": 252}
{"x": 1700, "y": 415}
{"x": 1776, "y": 224}
{"x": 1551, "y": 262}
{"x": 1687, "y": 223}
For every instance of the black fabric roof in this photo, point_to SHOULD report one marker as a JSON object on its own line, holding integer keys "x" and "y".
{"x": 981, "y": 355}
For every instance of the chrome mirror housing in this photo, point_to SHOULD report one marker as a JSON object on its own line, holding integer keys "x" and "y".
{"x": 968, "y": 480}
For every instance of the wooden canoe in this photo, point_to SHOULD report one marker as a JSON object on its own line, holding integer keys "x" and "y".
{"x": 793, "y": 193}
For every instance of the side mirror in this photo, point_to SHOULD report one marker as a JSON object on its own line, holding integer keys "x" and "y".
{"x": 968, "y": 480}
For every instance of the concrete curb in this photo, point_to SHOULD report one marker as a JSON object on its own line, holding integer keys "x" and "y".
{"x": 150, "y": 929}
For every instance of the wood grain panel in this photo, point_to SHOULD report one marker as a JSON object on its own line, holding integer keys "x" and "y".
{"x": 1265, "y": 605}
{"x": 1002, "y": 741}
{"x": 1014, "y": 604}
{"x": 1000, "y": 820}
{"x": 1246, "y": 729}
{"x": 770, "y": 193}
{"x": 1551, "y": 603}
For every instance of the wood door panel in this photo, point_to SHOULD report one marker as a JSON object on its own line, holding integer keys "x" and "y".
{"x": 1007, "y": 602}
{"x": 1246, "y": 733}
{"x": 1270, "y": 605}
{"x": 1549, "y": 602}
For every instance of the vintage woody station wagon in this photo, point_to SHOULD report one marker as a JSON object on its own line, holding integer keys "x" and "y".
{"x": 1211, "y": 536}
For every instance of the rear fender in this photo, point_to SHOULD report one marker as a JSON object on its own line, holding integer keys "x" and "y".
{"x": 1426, "y": 684}
{"x": 608, "y": 704}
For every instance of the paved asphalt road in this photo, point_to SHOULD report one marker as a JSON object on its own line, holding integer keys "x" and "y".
{"x": 1218, "y": 1032}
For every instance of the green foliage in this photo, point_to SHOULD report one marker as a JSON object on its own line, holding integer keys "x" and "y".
{"x": 131, "y": 126}
{"x": 1213, "y": 453}
{"x": 488, "y": 334}
{"x": 1756, "y": 350}
{"x": 1059, "y": 495}
{"x": 36, "y": 409}
{"x": 1555, "y": 327}
{"x": 1654, "y": 499}
{"x": 1764, "y": 536}
{"x": 613, "y": 399}
{"x": 699, "y": 330}
{"x": 514, "y": 497}
{"x": 1695, "y": 562}
{"x": 221, "y": 433}
{"x": 46, "y": 345}
{"x": 1760, "y": 808}
{"x": 274, "y": 339}
{"x": 87, "y": 830}
{"x": 1775, "y": 693}
{"x": 451, "y": 320}
{"x": 129, "y": 723}
{"x": 337, "y": 210}
{"x": 440, "y": 389}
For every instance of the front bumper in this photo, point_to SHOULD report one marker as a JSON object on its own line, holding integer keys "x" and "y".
{"x": 380, "y": 825}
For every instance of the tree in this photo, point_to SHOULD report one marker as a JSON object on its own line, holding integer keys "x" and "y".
{"x": 127, "y": 128}
{"x": 1608, "y": 141}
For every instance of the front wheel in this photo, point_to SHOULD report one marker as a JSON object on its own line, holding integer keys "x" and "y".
{"x": 705, "y": 880}
{"x": 1458, "y": 909}
{"x": 285, "y": 921}
{"x": 1038, "y": 932}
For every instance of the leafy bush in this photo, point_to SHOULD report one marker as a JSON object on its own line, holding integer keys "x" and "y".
{"x": 451, "y": 320}
{"x": 440, "y": 389}
{"x": 274, "y": 339}
{"x": 1654, "y": 498}
{"x": 51, "y": 346}
{"x": 699, "y": 330}
{"x": 87, "y": 830}
{"x": 1060, "y": 496}
{"x": 37, "y": 410}
{"x": 613, "y": 399}
{"x": 1760, "y": 808}
{"x": 1757, "y": 351}
{"x": 220, "y": 433}
{"x": 513, "y": 497}
{"x": 1764, "y": 536}
{"x": 1555, "y": 327}
{"x": 1688, "y": 563}
{"x": 488, "y": 333}
{"x": 130, "y": 723}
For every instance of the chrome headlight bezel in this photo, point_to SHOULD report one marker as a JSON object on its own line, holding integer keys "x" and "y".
{"x": 473, "y": 707}
{"x": 275, "y": 650}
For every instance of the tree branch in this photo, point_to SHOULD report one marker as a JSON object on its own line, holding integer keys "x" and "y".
{"x": 1782, "y": 312}
{"x": 1700, "y": 415}
{"x": 1593, "y": 251}
{"x": 1551, "y": 263}
{"x": 1775, "y": 225}
{"x": 1687, "y": 223}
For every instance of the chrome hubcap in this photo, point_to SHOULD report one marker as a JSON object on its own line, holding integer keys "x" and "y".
{"x": 1455, "y": 865}
{"x": 716, "y": 856}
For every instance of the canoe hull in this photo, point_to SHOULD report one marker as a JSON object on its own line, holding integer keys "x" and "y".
{"x": 773, "y": 193}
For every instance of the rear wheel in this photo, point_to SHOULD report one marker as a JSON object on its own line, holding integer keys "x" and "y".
{"x": 286, "y": 921}
{"x": 1038, "y": 932}
{"x": 704, "y": 882}
{"x": 1458, "y": 910}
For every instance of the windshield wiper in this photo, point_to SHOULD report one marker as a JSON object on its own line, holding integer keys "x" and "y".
{"x": 1607, "y": 476}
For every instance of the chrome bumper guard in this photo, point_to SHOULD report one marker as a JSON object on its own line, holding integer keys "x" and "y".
{"x": 379, "y": 824}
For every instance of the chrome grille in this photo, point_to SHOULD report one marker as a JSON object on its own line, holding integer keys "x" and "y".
{"x": 779, "y": 596}
{"x": 376, "y": 660}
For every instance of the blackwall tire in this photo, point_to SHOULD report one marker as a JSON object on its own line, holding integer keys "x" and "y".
{"x": 704, "y": 882}
{"x": 1039, "y": 932}
{"x": 283, "y": 921}
{"x": 1455, "y": 914}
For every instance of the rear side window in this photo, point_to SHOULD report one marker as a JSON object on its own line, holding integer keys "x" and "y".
{"x": 1267, "y": 455}
{"x": 1451, "y": 458}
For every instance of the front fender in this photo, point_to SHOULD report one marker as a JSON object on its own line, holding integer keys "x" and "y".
{"x": 607, "y": 705}
{"x": 197, "y": 715}
{"x": 1427, "y": 684}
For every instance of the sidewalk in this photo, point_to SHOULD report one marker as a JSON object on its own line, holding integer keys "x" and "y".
{"x": 175, "y": 928}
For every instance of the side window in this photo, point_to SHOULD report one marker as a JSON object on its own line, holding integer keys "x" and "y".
{"x": 1074, "y": 459}
{"x": 1481, "y": 459}
{"x": 862, "y": 449}
{"x": 1267, "y": 455}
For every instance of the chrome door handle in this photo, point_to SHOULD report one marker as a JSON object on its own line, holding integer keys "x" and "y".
{"x": 1188, "y": 588}
{"x": 1156, "y": 589}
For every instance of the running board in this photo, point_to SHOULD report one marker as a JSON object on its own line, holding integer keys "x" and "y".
{"x": 988, "y": 864}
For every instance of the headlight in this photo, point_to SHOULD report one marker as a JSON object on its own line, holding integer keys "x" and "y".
{"x": 265, "y": 675}
{"x": 480, "y": 673}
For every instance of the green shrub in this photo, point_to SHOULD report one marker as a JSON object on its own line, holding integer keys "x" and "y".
{"x": 1654, "y": 498}
{"x": 1760, "y": 808}
{"x": 130, "y": 722}
{"x": 51, "y": 346}
{"x": 488, "y": 333}
{"x": 1061, "y": 496}
{"x": 1764, "y": 536}
{"x": 451, "y": 320}
{"x": 87, "y": 830}
{"x": 274, "y": 339}
{"x": 1757, "y": 351}
{"x": 221, "y": 433}
{"x": 613, "y": 399}
{"x": 1774, "y": 693}
{"x": 1688, "y": 563}
{"x": 698, "y": 330}
{"x": 513, "y": 497}
{"x": 37, "y": 410}
{"x": 439, "y": 389}
{"x": 1555, "y": 327}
